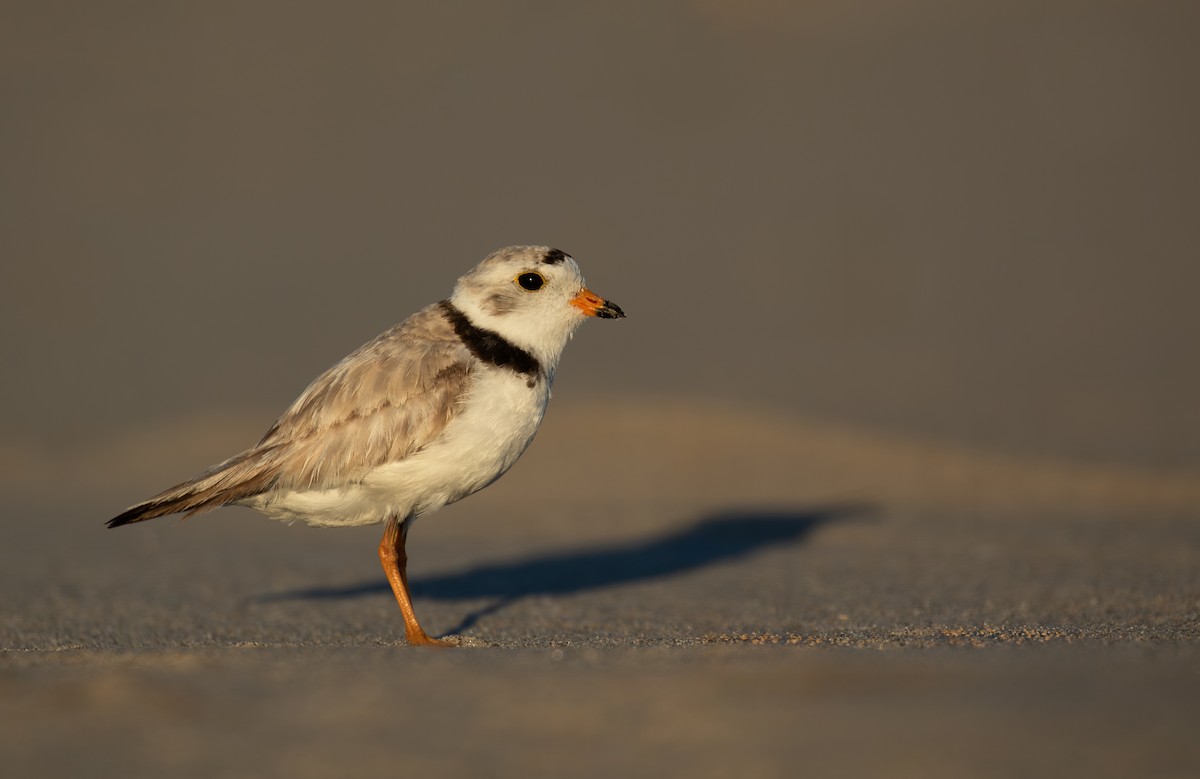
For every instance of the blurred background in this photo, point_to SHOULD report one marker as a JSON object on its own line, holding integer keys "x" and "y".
{"x": 971, "y": 224}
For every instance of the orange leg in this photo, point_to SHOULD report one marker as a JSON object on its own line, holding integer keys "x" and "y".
{"x": 395, "y": 565}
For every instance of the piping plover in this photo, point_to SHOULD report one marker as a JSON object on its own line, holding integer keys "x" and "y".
{"x": 429, "y": 412}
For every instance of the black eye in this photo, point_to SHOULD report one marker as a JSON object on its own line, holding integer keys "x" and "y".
{"x": 531, "y": 281}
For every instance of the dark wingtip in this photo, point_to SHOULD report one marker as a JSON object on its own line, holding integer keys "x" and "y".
{"x": 123, "y": 519}
{"x": 138, "y": 513}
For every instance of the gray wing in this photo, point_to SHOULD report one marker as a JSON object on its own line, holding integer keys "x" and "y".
{"x": 385, "y": 401}
{"x": 388, "y": 399}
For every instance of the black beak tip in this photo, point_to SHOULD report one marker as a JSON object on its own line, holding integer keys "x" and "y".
{"x": 610, "y": 310}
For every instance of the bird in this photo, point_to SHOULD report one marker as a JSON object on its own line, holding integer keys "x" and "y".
{"x": 428, "y": 412}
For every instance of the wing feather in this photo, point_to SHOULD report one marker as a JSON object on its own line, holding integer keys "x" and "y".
{"x": 383, "y": 402}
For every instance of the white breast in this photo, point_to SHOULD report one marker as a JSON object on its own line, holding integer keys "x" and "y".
{"x": 499, "y": 417}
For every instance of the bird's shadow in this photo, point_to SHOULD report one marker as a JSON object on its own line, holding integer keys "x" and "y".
{"x": 713, "y": 539}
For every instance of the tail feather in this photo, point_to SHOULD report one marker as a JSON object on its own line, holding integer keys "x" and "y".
{"x": 249, "y": 473}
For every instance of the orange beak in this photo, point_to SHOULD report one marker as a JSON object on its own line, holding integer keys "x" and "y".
{"x": 593, "y": 305}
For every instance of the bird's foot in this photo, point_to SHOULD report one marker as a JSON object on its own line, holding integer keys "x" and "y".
{"x": 420, "y": 639}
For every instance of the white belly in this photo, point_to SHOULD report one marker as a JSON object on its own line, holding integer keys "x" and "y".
{"x": 499, "y": 419}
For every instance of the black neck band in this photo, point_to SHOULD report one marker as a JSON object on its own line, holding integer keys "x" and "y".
{"x": 490, "y": 347}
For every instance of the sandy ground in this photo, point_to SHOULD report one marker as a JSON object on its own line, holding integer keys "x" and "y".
{"x": 617, "y": 623}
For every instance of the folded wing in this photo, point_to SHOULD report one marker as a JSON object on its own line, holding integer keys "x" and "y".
{"x": 387, "y": 400}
